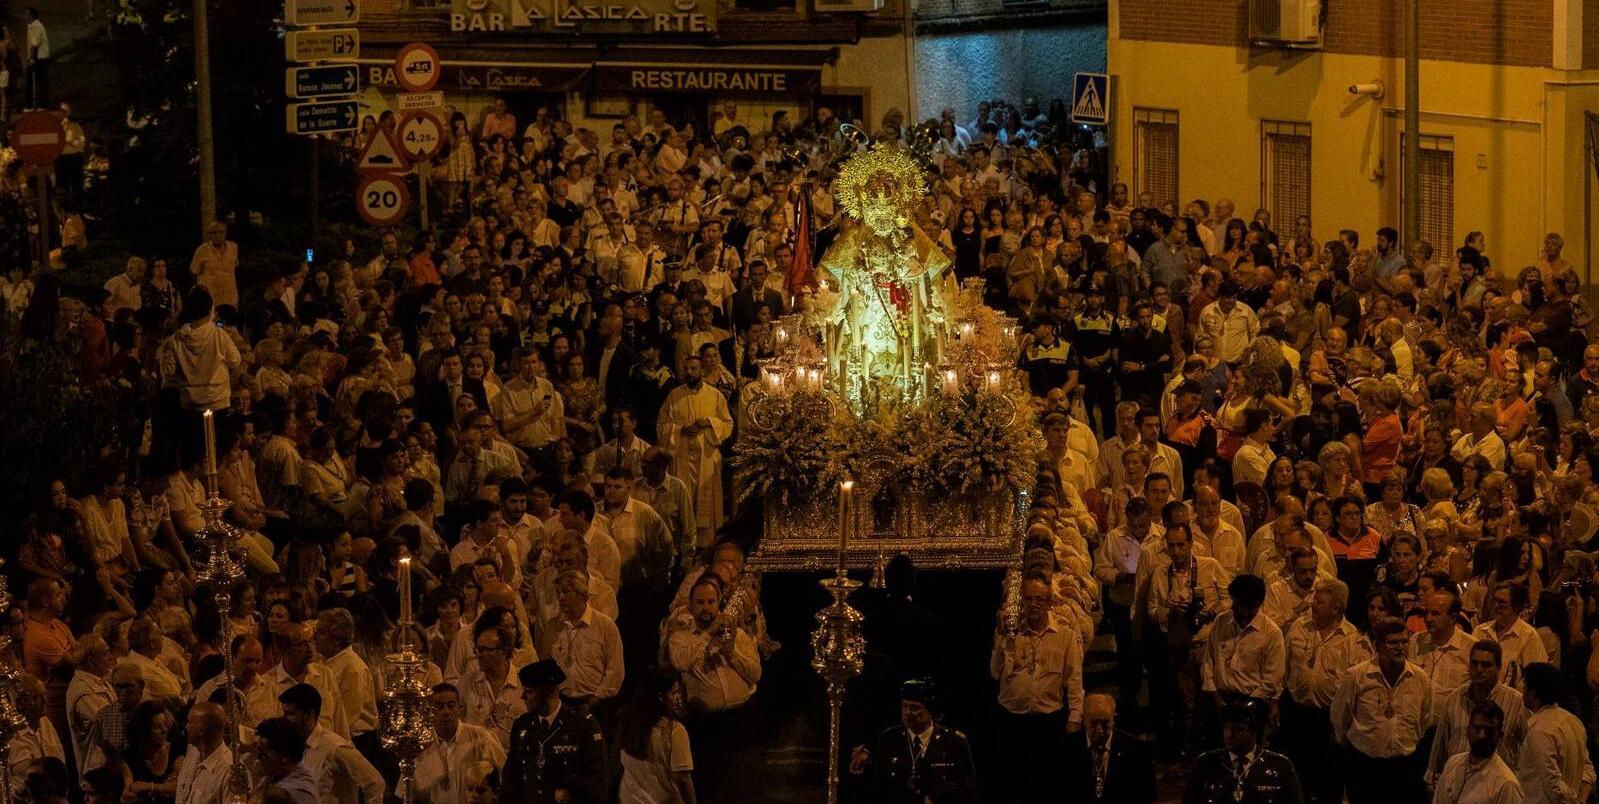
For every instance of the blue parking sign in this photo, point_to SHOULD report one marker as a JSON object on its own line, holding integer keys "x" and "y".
{"x": 1091, "y": 99}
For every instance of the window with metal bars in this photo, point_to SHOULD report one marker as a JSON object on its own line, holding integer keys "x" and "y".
{"x": 1437, "y": 189}
{"x": 1285, "y": 171}
{"x": 1155, "y": 154}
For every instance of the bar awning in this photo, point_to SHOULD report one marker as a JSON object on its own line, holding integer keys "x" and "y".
{"x": 722, "y": 71}
{"x": 480, "y": 70}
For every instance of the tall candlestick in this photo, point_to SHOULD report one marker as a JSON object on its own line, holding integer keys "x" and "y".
{"x": 210, "y": 446}
{"x": 846, "y": 491}
{"x": 405, "y": 594}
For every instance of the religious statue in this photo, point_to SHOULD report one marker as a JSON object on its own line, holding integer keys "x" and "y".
{"x": 884, "y": 312}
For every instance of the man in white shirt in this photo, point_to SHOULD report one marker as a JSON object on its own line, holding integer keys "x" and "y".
{"x": 1322, "y": 646}
{"x": 1213, "y": 536}
{"x": 1455, "y": 710}
{"x": 720, "y": 666}
{"x": 1479, "y": 775}
{"x": 1482, "y": 439}
{"x": 1162, "y": 457}
{"x": 1245, "y": 655}
{"x": 124, "y": 287}
{"x": 352, "y": 679}
{"x": 576, "y": 511}
{"x": 490, "y": 692}
{"x": 625, "y": 450}
{"x": 1183, "y": 594}
{"x": 1379, "y": 712}
{"x": 455, "y": 747}
{"x": 204, "y": 776}
{"x": 296, "y": 667}
{"x": 37, "y": 738}
{"x": 88, "y": 693}
{"x": 485, "y": 535}
{"x": 529, "y": 409}
{"x": 585, "y": 643}
{"x": 1443, "y": 650}
{"x": 1553, "y": 766}
{"x": 643, "y": 541}
{"x": 145, "y": 643}
{"x": 1231, "y": 325}
{"x": 38, "y": 59}
{"x": 1518, "y": 641}
{"x": 1254, "y": 457}
{"x": 641, "y": 262}
{"x": 1289, "y": 598}
{"x": 1040, "y": 675}
{"x": 342, "y": 772}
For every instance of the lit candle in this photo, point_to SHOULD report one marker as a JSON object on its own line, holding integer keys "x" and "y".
{"x": 951, "y": 382}
{"x": 846, "y": 491}
{"x": 780, "y": 336}
{"x": 210, "y": 444}
{"x": 966, "y": 330}
{"x": 405, "y": 594}
{"x": 993, "y": 380}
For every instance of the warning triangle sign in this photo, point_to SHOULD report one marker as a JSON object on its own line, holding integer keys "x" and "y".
{"x": 1089, "y": 105}
{"x": 381, "y": 155}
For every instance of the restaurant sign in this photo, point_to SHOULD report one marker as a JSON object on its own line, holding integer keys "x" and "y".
{"x": 583, "y": 16}
{"x": 686, "y": 78}
{"x": 491, "y": 77}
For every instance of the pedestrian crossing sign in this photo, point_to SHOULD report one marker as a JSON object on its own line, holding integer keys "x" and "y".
{"x": 1091, "y": 99}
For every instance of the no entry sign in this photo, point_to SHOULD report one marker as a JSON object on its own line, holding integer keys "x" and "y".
{"x": 38, "y": 137}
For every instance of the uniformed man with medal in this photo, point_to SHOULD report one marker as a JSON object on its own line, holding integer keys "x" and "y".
{"x": 555, "y": 746}
{"x": 1244, "y": 771}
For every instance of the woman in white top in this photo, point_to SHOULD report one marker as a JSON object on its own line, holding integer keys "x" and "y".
{"x": 657, "y": 765}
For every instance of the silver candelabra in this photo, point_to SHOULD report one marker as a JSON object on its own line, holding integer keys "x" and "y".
{"x": 219, "y": 564}
{"x": 407, "y": 725}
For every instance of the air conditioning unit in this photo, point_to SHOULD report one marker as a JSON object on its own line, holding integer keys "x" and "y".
{"x": 847, "y": 6}
{"x": 1285, "y": 23}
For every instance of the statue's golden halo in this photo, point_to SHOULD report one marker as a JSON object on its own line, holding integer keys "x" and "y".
{"x": 880, "y": 177}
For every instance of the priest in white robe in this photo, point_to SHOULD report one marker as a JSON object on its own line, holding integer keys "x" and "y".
{"x": 693, "y": 423}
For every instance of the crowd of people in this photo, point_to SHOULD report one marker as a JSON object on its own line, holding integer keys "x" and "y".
{"x": 1328, "y": 502}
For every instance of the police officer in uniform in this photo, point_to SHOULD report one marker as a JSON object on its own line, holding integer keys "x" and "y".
{"x": 1095, "y": 333}
{"x": 920, "y": 758}
{"x": 555, "y": 746}
{"x": 1050, "y": 362}
{"x": 1243, "y": 771}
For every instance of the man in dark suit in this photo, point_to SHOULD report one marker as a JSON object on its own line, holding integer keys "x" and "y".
{"x": 439, "y": 394}
{"x": 755, "y": 293}
{"x": 919, "y": 758}
{"x": 1107, "y": 764}
{"x": 609, "y": 359}
{"x": 1243, "y": 771}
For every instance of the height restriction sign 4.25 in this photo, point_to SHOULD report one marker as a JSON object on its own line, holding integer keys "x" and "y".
{"x": 421, "y": 135}
{"x": 382, "y": 199}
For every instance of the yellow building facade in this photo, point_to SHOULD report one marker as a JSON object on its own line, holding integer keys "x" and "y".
{"x": 1506, "y": 143}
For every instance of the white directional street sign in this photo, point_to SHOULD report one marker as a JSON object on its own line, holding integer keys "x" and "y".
{"x": 328, "y": 81}
{"x": 331, "y": 44}
{"x": 322, "y": 12}
{"x": 409, "y": 101}
{"x": 323, "y": 118}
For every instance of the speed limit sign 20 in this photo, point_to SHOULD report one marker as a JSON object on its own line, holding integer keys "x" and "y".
{"x": 382, "y": 199}
{"x": 421, "y": 134}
